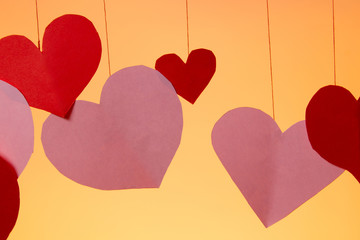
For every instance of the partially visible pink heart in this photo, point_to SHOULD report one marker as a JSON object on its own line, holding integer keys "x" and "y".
{"x": 276, "y": 172}
{"x": 126, "y": 141}
{"x": 191, "y": 78}
{"x": 16, "y": 127}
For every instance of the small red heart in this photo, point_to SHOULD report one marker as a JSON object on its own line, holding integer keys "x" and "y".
{"x": 332, "y": 122}
{"x": 190, "y": 79}
{"x": 125, "y": 142}
{"x": 52, "y": 79}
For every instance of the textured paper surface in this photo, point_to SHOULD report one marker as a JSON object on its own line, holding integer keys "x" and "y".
{"x": 276, "y": 172}
{"x": 126, "y": 141}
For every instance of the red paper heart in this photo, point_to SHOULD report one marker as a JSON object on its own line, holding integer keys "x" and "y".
{"x": 52, "y": 79}
{"x": 9, "y": 198}
{"x": 190, "y": 79}
{"x": 332, "y": 122}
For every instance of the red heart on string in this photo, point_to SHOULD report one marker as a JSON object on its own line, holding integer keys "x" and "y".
{"x": 52, "y": 79}
{"x": 190, "y": 79}
{"x": 9, "y": 198}
{"x": 332, "y": 122}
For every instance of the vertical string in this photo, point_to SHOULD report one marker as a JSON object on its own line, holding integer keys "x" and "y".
{"x": 271, "y": 71}
{"x": 107, "y": 38}
{"x": 187, "y": 26}
{"x": 37, "y": 23}
{"x": 333, "y": 22}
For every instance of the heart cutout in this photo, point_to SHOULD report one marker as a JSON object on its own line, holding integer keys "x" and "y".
{"x": 9, "y": 198}
{"x": 126, "y": 141}
{"x": 191, "y": 78}
{"x": 52, "y": 79}
{"x": 276, "y": 172}
{"x": 332, "y": 122}
{"x": 16, "y": 127}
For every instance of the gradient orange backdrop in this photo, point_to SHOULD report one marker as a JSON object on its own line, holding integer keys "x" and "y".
{"x": 197, "y": 199}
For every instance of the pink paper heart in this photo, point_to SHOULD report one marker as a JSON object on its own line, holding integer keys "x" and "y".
{"x": 276, "y": 172}
{"x": 16, "y": 127}
{"x": 126, "y": 141}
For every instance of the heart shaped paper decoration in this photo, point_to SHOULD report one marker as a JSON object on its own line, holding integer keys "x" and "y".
{"x": 191, "y": 78}
{"x": 126, "y": 141}
{"x": 52, "y": 79}
{"x": 9, "y": 198}
{"x": 276, "y": 172}
{"x": 16, "y": 127}
{"x": 332, "y": 122}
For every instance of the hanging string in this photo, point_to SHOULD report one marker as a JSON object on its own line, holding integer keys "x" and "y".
{"x": 271, "y": 72}
{"x": 187, "y": 26}
{"x": 107, "y": 38}
{"x": 333, "y": 22}
{"x": 37, "y": 24}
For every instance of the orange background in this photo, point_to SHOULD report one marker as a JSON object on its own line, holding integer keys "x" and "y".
{"x": 197, "y": 199}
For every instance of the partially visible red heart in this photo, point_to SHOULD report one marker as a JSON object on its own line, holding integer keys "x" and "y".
{"x": 9, "y": 198}
{"x": 332, "y": 122}
{"x": 52, "y": 79}
{"x": 190, "y": 79}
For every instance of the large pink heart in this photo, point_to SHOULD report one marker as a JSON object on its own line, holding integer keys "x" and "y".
{"x": 276, "y": 172}
{"x": 16, "y": 127}
{"x": 126, "y": 141}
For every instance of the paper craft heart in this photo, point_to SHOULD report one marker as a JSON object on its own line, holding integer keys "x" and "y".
{"x": 9, "y": 199}
{"x": 16, "y": 127}
{"x": 126, "y": 141}
{"x": 190, "y": 79}
{"x": 276, "y": 172}
{"x": 332, "y": 122}
{"x": 52, "y": 79}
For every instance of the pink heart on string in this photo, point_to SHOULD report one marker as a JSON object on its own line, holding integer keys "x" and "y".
{"x": 276, "y": 172}
{"x": 126, "y": 141}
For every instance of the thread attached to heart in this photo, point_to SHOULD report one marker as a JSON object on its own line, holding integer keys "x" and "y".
{"x": 191, "y": 78}
{"x": 276, "y": 172}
